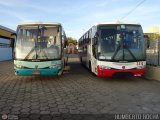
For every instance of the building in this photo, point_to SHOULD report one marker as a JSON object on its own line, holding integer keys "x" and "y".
{"x": 71, "y": 48}
{"x": 6, "y": 43}
{"x": 152, "y": 37}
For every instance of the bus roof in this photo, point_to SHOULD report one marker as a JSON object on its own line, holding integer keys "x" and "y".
{"x": 37, "y": 23}
{"x": 116, "y": 23}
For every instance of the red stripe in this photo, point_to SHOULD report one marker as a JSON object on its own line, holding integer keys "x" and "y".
{"x": 110, "y": 72}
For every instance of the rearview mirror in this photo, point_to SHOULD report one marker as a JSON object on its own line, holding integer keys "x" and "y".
{"x": 95, "y": 40}
{"x": 65, "y": 43}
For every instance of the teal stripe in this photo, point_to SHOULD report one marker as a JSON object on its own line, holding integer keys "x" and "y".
{"x": 43, "y": 72}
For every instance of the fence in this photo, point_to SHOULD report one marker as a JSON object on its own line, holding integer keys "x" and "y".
{"x": 153, "y": 53}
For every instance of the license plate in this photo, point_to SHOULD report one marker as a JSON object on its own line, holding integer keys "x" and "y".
{"x": 36, "y": 73}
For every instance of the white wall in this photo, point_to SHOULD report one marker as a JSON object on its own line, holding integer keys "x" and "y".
{"x": 2, "y": 40}
{"x": 5, "y": 53}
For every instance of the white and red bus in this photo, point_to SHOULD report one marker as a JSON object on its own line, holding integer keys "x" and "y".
{"x": 111, "y": 48}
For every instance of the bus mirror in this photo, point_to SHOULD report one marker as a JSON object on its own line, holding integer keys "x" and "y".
{"x": 95, "y": 40}
{"x": 97, "y": 35}
{"x": 65, "y": 44}
{"x": 94, "y": 51}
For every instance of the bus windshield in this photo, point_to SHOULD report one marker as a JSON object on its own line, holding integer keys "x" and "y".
{"x": 38, "y": 42}
{"x": 121, "y": 43}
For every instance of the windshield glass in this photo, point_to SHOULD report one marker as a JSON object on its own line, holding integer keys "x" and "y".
{"x": 38, "y": 42}
{"x": 121, "y": 43}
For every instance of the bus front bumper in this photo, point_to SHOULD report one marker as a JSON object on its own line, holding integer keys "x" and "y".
{"x": 38, "y": 72}
{"x": 110, "y": 72}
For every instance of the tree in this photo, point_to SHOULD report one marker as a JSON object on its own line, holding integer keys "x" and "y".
{"x": 71, "y": 40}
{"x": 155, "y": 37}
{"x": 151, "y": 37}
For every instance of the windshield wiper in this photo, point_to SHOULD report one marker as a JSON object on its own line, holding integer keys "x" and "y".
{"x": 45, "y": 54}
{"x": 29, "y": 53}
{"x": 130, "y": 52}
{"x": 118, "y": 48}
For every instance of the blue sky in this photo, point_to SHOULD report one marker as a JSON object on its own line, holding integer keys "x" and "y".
{"x": 77, "y": 16}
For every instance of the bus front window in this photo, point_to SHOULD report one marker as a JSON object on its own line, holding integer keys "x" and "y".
{"x": 121, "y": 45}
{"x": 34, "y": 42}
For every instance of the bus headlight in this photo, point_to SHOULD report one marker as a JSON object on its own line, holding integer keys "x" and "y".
{"x": 18, "y": 66}
{"x": 55, "y": 66}
{"x": 104, "y": 67}
{"x": 140, "y": 67}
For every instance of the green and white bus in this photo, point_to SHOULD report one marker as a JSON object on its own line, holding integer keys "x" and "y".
{"x": 39, "y": 49}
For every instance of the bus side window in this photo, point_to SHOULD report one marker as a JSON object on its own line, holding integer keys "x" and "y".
{"x": 95, "y": 46}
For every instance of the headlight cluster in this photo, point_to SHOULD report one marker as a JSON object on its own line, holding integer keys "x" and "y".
{"x": 55, "y": 66}
{"x": 18, "y": 66}
{"x": 104, "y": 67}
{"x": 140, "y": 67}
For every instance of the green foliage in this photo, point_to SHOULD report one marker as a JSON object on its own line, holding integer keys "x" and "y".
{"x": 71, "y": 40}
{"x": 154, "y": 37}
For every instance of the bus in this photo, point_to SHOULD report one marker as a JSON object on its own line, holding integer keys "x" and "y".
{"x": 39, "y": 49}
{"x": 107, "y": 49}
